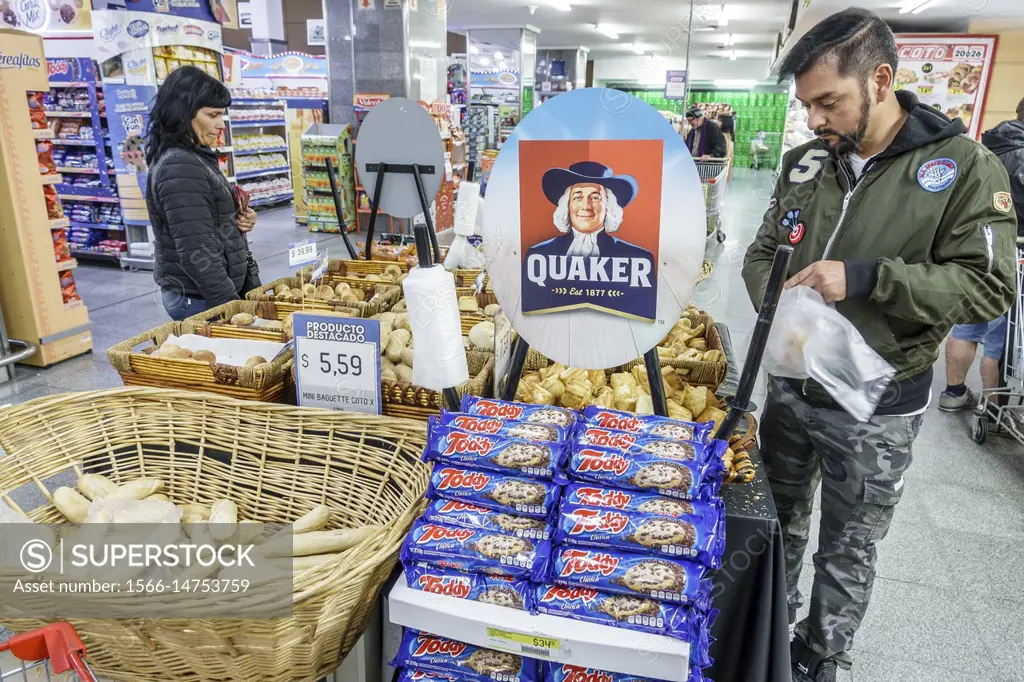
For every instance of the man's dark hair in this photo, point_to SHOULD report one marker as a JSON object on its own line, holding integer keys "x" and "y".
{"x": 857, "y": 39}
{"x": 183, "y": 94}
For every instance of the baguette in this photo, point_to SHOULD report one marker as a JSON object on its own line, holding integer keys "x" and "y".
{"x": 315, "y": 519}
{"x": 96, "y": 486}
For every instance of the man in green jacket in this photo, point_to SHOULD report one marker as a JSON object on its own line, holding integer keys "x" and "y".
{"x": 898, "y": 220}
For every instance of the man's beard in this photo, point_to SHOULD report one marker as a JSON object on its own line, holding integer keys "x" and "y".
{"x": 849, "y": 143}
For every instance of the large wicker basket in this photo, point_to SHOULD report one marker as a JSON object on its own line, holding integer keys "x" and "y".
{"x": 268, "y": 382}
{"x": 379, "y": 298}
{"x": 354, "y": 272}
{"x": 365, "y": 468}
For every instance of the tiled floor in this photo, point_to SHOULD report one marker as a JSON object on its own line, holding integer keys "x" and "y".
{"x": 947, "y": 604}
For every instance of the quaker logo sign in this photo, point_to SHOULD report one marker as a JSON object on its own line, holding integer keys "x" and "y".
{"x": 137, "y": 28}
{"x": 590, "y": 231}
{"x": 595, "y": 228}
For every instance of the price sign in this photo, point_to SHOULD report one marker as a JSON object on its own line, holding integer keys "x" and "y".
{"x": 532, "y": 645}
{"x": 321, "y": 267}
{"x": 503, "y": 337}
{"x": 301, "y": 253}
{"x": 337, "y": 363}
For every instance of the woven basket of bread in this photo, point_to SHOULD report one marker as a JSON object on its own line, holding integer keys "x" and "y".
{"x": 140, "y": 363}
{"x": 256, "y": 320}
{"x": 296, "y": 295}
{"x": 276, "y": 464}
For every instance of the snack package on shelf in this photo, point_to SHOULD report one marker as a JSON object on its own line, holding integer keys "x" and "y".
{"x": 44, "y": 153}
{"x": 54, "y": 206}
{"x": 465, "y": 515}
{"x": 501, "y": 452}
{"x": 423, "y": 651}
{"x": 499, "y": 492}
{"x": 61, "y": 248}
{"x": 499, "y": 590}
{"x": 563, "y": 672}
{"x": 476, "y": 551}
{"x": 67, "y": 288}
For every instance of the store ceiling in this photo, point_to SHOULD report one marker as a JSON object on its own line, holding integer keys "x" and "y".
{"x": 657, "y": 26}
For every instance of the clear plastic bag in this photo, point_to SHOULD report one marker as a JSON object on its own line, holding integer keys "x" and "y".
{"x": 810, "y": 339}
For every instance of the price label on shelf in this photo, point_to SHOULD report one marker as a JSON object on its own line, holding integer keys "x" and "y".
{"x": 321, "y": 267}
{"x": 530, "y": 645}
{"x": 337, "y": 363}
{"x": 302, "y": 253}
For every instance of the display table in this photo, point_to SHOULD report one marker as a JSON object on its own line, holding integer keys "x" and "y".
{"x": 752, "y": 630}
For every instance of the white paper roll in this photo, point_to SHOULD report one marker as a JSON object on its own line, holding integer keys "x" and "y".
{"x": 439, "y": 358}
{"x": 466, "y": 209}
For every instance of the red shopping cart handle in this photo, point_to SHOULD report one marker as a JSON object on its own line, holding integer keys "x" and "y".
{"x": 58, "y": 642}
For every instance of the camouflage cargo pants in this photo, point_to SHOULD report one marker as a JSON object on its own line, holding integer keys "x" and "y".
{"x": 860, "y": 468}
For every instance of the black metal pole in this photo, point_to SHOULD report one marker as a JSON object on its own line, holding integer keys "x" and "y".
{"x": 740, "y": 403}
{"x": 337, "y": 208}
{"x": 515, "y": 369}
{"x": 382, "y": 168}
{"x": 425, "y": 205}
{"x": 451, "y": 397}
{"x": 653, "y": 364}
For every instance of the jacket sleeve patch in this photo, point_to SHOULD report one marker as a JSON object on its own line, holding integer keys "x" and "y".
{"x": 808, "y": 167}
{"x": 1002, "y": 202}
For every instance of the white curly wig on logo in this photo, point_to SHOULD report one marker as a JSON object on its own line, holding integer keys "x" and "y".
{"x": 612, "y": 212}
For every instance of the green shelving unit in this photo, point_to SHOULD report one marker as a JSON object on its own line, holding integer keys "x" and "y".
{"x": 755, "y": 112}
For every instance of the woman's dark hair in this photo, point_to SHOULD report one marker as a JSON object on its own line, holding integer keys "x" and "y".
{"x": 183, "y": 94}
{"x": 728, "y": 124}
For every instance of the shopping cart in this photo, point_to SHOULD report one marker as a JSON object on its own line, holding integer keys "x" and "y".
{"x": 52, "y": 650}
{"x": 714, "y": 176}
{"x": 1002, "y": 409}
{"x": 763, "y": 150}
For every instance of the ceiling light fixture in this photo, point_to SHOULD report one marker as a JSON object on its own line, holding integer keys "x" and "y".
{"x": 637, "y": 49}
{"x": 732, "y": 56}
{"x": 498, "y": 55}
{"x": 502, "y": 65}
{"x": 485, "y": 61}
{"x": 427, "y": 44}
{"x": 917, "y": 6}
{"x": 723, "y": 18}
{"x": 560, "y": 5}
{"x": 729, "y": 41}
{"x": 736, "y": 84}
{"x": 473, "y": 49}
{"x": 606, "y": 30}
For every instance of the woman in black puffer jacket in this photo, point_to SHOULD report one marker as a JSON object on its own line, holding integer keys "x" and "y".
{"x": 202, "y": 257}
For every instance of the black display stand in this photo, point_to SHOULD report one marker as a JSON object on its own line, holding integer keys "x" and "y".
{"x": 337, "y": 209}
{"x": 417, "y": 171}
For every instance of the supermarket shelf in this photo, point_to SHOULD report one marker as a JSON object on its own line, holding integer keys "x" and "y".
{"x": 84, "y": 171}
{"x": 52, "y": 179}
{"x": 74, "y": 143}
{"x": 85, "y": 197}
{"x": 97, "y": 226}
{"x": 249, "y": 152}
{"x": 255, "y": 101}
{"x": 96, "y": 255}
{"x": 75, "y": 84}
{"x": 224, "y": 150}
{"x": 67, "y": 114}
{"x": 43, "y": 134}
{"x": 288, "y": 196}
{"x": 260, "y": 174}
{"x": 257, "y": 124}
{"x": 578, "y": 643}
{"x": 69, "y": 264}
{"x": 57, "y": 223}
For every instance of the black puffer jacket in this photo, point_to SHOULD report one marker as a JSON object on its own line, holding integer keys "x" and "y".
{"x": 1006, "y": 141}
{"x": 200, "y": 251}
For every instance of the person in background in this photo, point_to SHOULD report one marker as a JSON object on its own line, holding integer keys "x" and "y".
{"x": 705, "y": 138}
{"x": 1006, "y": 141}
{"x": 728, "y": 125}
{"x": 202, "y": 256}
{"x": 892, "y": 216}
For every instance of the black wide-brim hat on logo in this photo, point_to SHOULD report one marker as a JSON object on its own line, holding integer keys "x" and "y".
{"x": 557, "y": 180}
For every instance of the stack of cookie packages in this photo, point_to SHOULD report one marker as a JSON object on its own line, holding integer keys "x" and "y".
{"x": 635, "y": 532}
